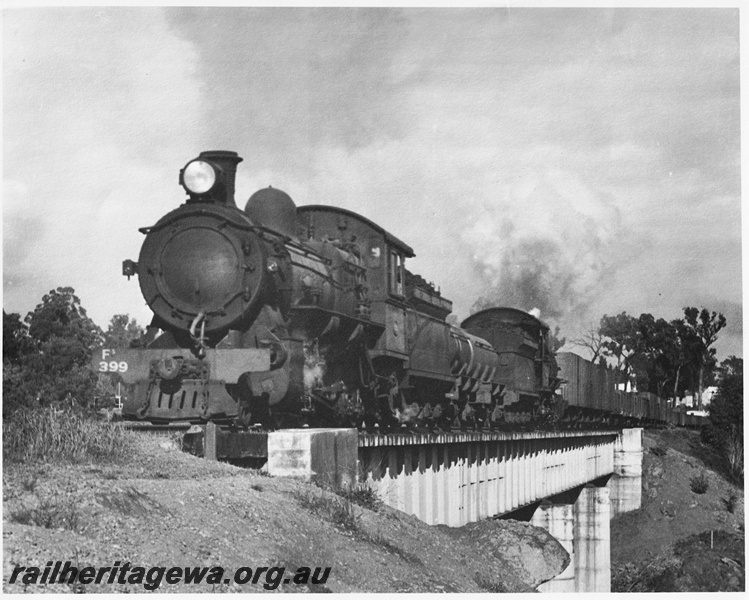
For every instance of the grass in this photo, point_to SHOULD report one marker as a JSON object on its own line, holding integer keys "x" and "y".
{"x": 362, "y": 495}
{"x": 643, "y": 576}
{"x": 339, "y": 507}
{"x": 336, "y": 510}
{"x": 59, "y": 511}
{"x": 48, "y": 435}
{"x": 692, "y": 561}
{"x": 699, "y": 484}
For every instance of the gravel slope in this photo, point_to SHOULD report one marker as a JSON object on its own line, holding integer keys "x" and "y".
{"x": 664, "y": 544}
{"x": 168, "y": 508}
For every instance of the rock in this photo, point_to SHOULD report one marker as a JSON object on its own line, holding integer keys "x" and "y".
{"x": 668, "y": 510}
{"x": 529, "y": 552}
{"x": 169, "y": 445}
{"x": 656, "y": 471}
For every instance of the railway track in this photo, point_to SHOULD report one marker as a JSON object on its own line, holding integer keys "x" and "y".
{"x": 225, "y": 442}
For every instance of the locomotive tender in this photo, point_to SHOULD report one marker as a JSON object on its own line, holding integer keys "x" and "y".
{"x": 286, "y": 316}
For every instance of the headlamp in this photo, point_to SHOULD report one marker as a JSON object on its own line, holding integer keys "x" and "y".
{"x": 198, "y": 177}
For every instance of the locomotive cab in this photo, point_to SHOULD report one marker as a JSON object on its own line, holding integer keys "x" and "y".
{"x": 433, "y": 369}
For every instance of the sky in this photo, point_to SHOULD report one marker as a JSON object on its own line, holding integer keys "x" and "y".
{"x": 578, "y": 161}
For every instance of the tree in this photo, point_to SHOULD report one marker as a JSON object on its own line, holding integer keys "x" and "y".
{"x": 621, "y": 341}
{"x": 684, "y": 355}
{"x": 122, "y": 332}
{"x": 653, "y": 354}
{"x": 705, "y": 327}
{"x": 661, "y": 357}
{"x": 726, "y": 413}
{"x": 54, "y": 362}
{"x": 16, "y": 341}
{"x": 60, "y": 315}
{"x": 730, "y": 366}
{"x": 593, "y": 340}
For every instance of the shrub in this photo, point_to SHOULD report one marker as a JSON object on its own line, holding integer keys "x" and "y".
{"x": 334, "y": 509}
{"x": 659, "y": 450}
{"x": 29, "y": 483}
{"x": 58, "y": 512}
{"x": 699, "y": 484}
{"x": 725, "y": 430}
{"x": 731, "y": 502}
{"x": 362, "y": 495}
{"x": 53, "y": 435}
{"x": 734, "y": 455}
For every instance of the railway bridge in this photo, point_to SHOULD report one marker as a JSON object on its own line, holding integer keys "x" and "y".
{"x": 569, "y": 483}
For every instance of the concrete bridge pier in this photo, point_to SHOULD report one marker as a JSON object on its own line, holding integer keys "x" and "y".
{"x": 559, "y": 521}
{"x": 592, "y": 545}
{"x": 579, "y": 520}
{"x": 625, "y": 484}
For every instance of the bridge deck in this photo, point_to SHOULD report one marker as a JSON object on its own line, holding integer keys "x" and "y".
{"x": 373, "y": 440}
{"x": 457, "y": 478}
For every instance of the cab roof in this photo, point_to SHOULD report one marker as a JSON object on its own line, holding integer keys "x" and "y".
{"x": 389, "y": 237}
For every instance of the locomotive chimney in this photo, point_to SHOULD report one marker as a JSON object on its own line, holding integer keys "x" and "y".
{"x": 228, "y": 162}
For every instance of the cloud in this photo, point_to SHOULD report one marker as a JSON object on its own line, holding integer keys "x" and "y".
{"x": 539, "y": 165}
{"x": 583, "y": 168}
{"x": 95, "y": 96}
{"x": 281, "y": 83}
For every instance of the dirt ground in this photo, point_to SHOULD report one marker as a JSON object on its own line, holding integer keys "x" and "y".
{"x": 165, "y": 507}
{"x": 663, "y": 546}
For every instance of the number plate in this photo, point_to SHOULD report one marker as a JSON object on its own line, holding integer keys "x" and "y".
{"x": 225, "y": 364}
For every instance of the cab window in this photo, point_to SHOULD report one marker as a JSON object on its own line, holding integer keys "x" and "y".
{"x": 397, "y": 274}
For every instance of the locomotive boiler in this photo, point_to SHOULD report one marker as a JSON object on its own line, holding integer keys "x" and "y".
{"x": 285, "y": 316}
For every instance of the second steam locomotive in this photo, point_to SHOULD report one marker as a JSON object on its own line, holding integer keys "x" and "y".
{"x": 284, "y": 316}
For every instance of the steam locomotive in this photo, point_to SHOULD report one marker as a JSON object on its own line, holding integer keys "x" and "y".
{"x": 286, "y": 316}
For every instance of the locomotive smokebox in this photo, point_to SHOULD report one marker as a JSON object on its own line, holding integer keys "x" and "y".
{"x": 203, "y": 264}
